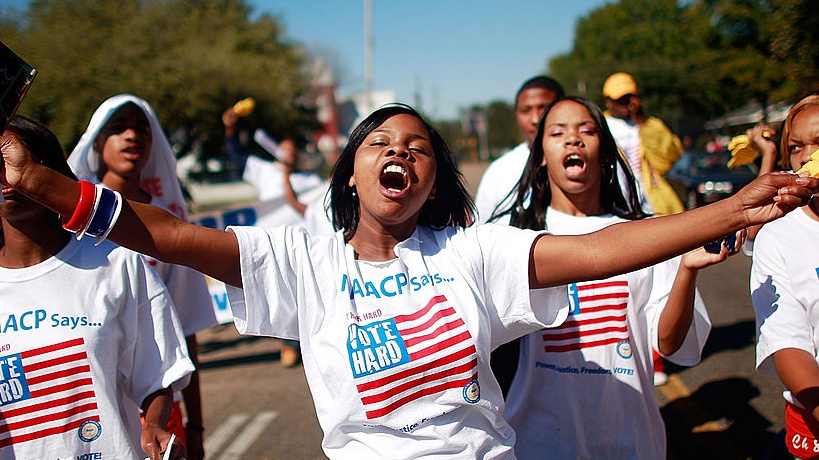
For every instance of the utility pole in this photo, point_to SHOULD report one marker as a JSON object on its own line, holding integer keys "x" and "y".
{"x": 368, "y": 51}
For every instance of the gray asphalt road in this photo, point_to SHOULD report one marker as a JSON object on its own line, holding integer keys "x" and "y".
{"x": 254, "y": 408}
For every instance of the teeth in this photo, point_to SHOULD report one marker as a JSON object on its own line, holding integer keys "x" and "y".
{"x": 395, "y": 169}
{"x": 574, "y": 157}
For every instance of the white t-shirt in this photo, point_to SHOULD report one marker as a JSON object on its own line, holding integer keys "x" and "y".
{"x": 85, "y": 336}
{"x": 397, "y": 353}
{"x": 585, "y": 389}
{"x": 785, "y": 288}
{"x": 498, "y": 180}
{"x": 268, "y": 178}
{"x": 190, "y": 295}
{"x": 627, "y": 136}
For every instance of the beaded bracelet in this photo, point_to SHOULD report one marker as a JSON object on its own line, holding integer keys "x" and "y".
{"x": 82, "y": 212}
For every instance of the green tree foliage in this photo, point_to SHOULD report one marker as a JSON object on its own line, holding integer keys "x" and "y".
{"x": 641, "y": 37}
{"x": 740, "y": 37}
{"x": 189, "y": 58}
{"x": 795, "y": 25}
{"x": 696, "y": 59}
{"x": 461, "y": 144}
{"x": 503, "y": 129}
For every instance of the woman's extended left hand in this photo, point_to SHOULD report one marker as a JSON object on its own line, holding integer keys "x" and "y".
{"x": 700, "y": 258}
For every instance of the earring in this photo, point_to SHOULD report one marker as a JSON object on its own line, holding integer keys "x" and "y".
{"x": 354, "y": 193}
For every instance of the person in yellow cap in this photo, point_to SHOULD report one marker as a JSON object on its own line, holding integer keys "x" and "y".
{"x": 649, "y": 146}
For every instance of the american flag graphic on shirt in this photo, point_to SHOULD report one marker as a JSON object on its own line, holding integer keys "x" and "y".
{"x": 597, "y": 317}
{"x": 45, "y": 391}
{"x": 404, "y": 358}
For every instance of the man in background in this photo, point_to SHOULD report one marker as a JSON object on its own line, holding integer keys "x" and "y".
{"x": 502, "y": 175}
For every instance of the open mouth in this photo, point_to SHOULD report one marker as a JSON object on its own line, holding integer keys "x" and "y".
{"x": 394, "y": 178}
{"x": 132, "y": 153}
{"x": 574, "y": 164}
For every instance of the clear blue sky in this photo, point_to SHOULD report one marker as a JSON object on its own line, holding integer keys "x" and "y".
{"x": 453, "y": 53}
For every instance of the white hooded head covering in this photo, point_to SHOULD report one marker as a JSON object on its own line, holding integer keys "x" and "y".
{"x": 160, "y": 167}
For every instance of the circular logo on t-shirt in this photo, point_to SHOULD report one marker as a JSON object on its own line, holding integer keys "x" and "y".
{"x": 89, "y": 430}
{"x": 624, "y": 349}
{"x": 472, "y": 392}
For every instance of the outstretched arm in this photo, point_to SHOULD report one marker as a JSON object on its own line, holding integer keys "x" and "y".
{"x": 625, "y": 247}
{"x": 142, "y": 228}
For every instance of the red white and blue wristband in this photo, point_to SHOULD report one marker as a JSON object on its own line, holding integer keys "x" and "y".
{"x": 96, "y": 212}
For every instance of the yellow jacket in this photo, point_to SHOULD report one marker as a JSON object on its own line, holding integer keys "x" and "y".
{"x": 659, "y": 150}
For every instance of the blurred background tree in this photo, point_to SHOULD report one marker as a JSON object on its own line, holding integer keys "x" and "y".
{"x": 795, "y": 25}
{"x": 190, "y": 59}
{"x": 696, "y": 60}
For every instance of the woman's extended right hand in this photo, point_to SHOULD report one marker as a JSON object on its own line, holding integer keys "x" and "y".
{"x": 773, "y": 195}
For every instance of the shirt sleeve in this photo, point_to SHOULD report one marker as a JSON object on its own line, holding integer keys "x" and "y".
{"x": 690, "y": 352}
{"x": 267, "y": 304}
{"x": 235, "y": 151}
{"x": 514, "y": 309}
{"x": 488, "y": 196}
{"x": 190, "y": 295}
{"x": 156, "y": 356}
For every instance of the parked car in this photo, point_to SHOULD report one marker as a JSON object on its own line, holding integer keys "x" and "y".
{"x": 701, "y": 177}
